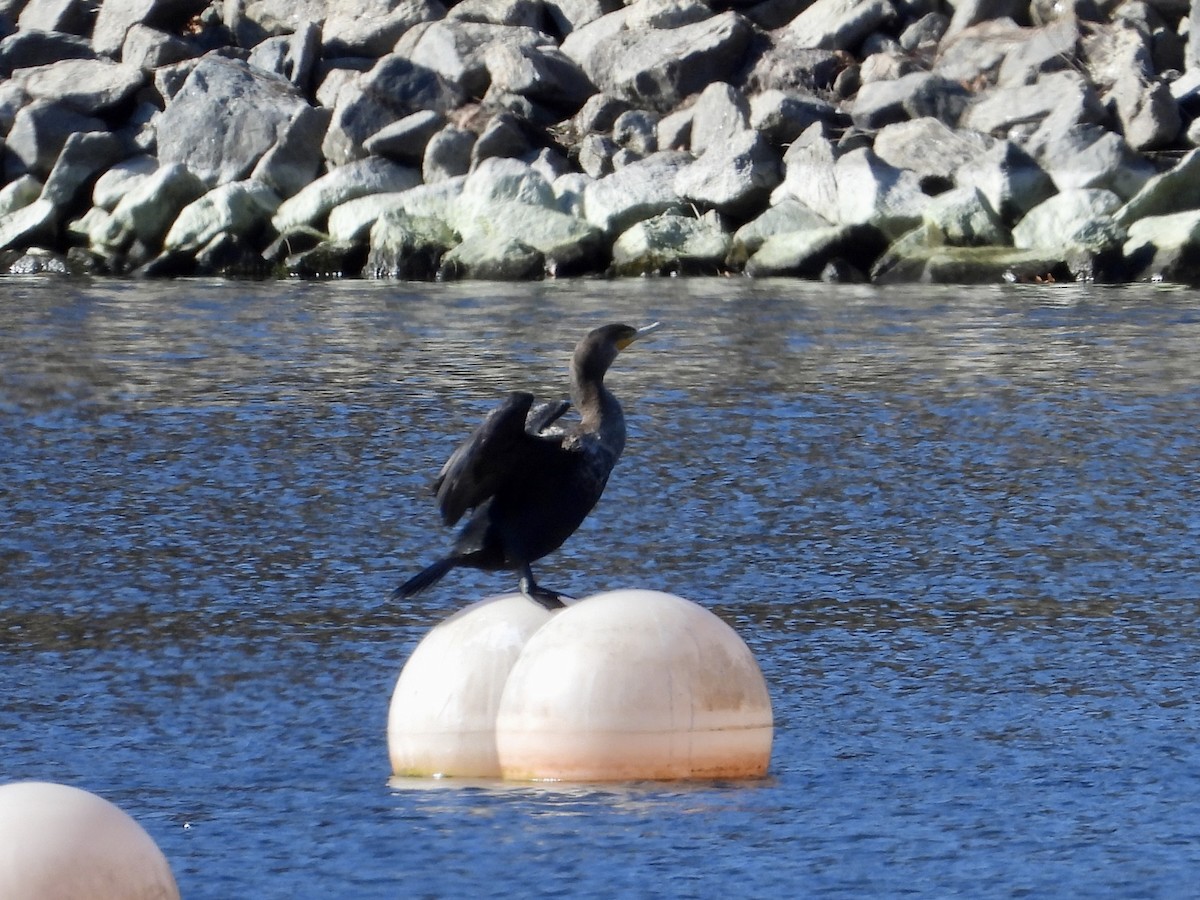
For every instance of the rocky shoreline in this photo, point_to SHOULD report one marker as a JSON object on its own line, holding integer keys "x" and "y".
{"x": 881, "y": 140}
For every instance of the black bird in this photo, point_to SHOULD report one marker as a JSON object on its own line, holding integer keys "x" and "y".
{"x": 529, "y": 481}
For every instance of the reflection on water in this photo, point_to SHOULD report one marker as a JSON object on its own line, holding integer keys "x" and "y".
{"x": 957, "y": 527}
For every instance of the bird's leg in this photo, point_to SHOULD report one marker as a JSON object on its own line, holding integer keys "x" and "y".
{"x": 547, "y": 598}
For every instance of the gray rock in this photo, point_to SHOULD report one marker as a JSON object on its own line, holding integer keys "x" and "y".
{"x": 972, "y": 12}
{"x": 148, "y": 48}
{"x": 405, "y": 140}
{"x": 674, "y": 130}
{"x": 293, "y": 56}
{"x": 84, "y": 155}
{"x": 226, "y": 118}
{"x": 1014, "y": 111}
{"x": 666, "y": 14}
{"x": 28, "y": 225}
{"x": 1088, "y": 156}
{"x": 498, "y": 179}
{"x": 458, "y": 50}
{"x": 913, "y": 96}
{"x": 568, "y": 190}
{"x": 447, "y": 155}
{"x": 371, "y": 27}
{"x": 635, "y": 193}
{"x": 66, "y": 16}
{"x": 1070, "y": 219}
{"x": 407, "y": 247}
{"x": 503, "y": 136}
{"x": 542, "y": 74}
{"x": 869, "y": 190}
{"x": 19, "y": 193}
{"x": 237, "y": 208}
{"x": 929, "y": 147}
{"x": 839, "y": 24}
{"x": 1119, "y": 60}
{"x": 806, "y": 254}
{"x": 735, "y": 177}
{"x": 656, "y": 69}
{"x": 781, "y": 117}
{"x": 1172, "y": 191}
{"x": 789, "y": 215}
{"x": 12, "y": 100}
{"x": 975, "y": 55}
{"x": 491, "y": 258}
{"x": 780, "y": 62}
{"x": 121, "y": 179}
{"x": 969, "y": 265}
{"x": 1009, "y": 178}
{"x": 962, "y": 218}
{"x": 295, "y": 159}
{"x": 672, "y": 244}
{"x": 719, "y": 113}
{"x": 426, "y": 203}
{"x": 89, "y": 86}
{"x": 1165, "y": 247}
{"x": 925, "y": 32}
{"x": 809, "y": 173}
{"x": 38, "y": 48}
{"x": 396, "y": 87}
{"x": 1036, "y": 51}
{"x": 146, "y": 212}
{"x": 567, "y": 244}
{"x": 373, "y": 175}
{"x": 637, "y": 130}
{"x": 568, "y": 15}
{"x": 595, "y": 154}
{"x": 599, "y": 113}
{"x": 116, "y": 17}
{"x": 38, "y": 134}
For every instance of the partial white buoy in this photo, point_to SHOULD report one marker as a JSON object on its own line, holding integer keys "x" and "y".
{"x": 62, "y": 842}
{"x": 442, "y": 719}
{"x": 631, "y": 685}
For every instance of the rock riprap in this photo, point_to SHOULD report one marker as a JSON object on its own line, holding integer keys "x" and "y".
{"x": 885, "y": 140}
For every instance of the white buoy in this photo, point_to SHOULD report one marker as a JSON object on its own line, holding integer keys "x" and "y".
{"x": 632, "y": 685}
{"x": 442, "y": 719}
{"x": 59, "y": 842}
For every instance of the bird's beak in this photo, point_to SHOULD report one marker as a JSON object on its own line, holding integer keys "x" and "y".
{"x": 640, "y": 333}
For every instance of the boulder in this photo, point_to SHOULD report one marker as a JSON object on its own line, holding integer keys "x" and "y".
{"x": 637, "y": 192}
{"x": 83, "y": 157}
{"x": 929, "y": 148}
{"x": 238, "y": 208}
{"x": 148, "y": 48}
{"x": 448, "y": 154}
{"x": 782, "y": 116}
{"x": 404, "y": 140}
{"x": 869, "y": 190}
{"x": 227, "y": 117}
{"x": 146, "y": 211}
{"x": 38, "y": 134}
{"x": 719, "y": 113}
{"x": 734, "y": 177}
{"x": 839, "y": 24}
{"x": 373, "y": 175}
{"x": 789, "y": 215}
{"x": 1165, "y": 247}
{"x": 1068, "y": 218}
{"x": 371, "y": 28}
{"x": 457, "y": 50}
{"x": 807, "y": 253}
{"x": 920, "y": 94}
{"x": 1009, "y": 178}
{"x": 1172, "y": 191}
{"x": 542, "y": 74}
{"x": 407, "y": 247}
{"x": 28, "y": 225}
{"x": 394, "y": 88}
{"x": 962, "y": 218}
{"x": 672, "y": 244}
{"x": 115, "y": 18}
{"x": 39, "y": 48}
{"x": 491, "y": 258}
{"x": 809, "y": 173}
{"x": 657, "y": 68}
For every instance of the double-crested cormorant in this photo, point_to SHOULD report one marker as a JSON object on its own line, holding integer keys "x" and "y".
{"x": 532, "y": 482}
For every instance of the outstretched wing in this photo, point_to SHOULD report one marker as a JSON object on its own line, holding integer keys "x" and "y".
{"x": 505, "y": 446}
{"x": 542, "y": 416}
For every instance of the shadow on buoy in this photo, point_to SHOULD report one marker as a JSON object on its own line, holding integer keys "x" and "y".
{"x": 60, "y": 841}
{"x": 628, "y": 685}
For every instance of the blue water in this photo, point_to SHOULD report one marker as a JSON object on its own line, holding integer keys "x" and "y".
{"x": 957, "y": 527}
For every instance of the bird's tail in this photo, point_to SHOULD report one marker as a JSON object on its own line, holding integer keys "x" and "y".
{"x": 426, "y": 578}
